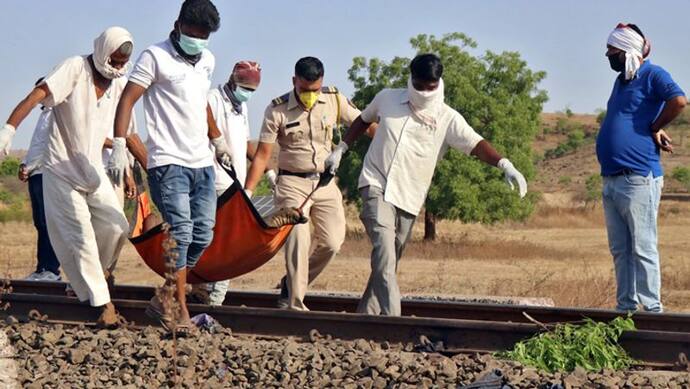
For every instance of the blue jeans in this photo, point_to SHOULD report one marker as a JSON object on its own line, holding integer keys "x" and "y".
{"x": 47, "y": 260}
{"x": 631, "y": 205}
{"x": 186, "y": 198}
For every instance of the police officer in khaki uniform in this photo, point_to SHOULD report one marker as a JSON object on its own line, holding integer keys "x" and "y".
{"x": 302, "y": 122}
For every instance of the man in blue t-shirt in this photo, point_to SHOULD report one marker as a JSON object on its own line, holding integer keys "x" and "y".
{"x": 644, "y": 100}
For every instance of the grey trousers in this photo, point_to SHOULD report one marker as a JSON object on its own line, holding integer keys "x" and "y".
{"x": 388, "y": 228}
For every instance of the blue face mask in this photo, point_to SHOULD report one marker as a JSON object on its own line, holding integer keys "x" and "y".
{"x": 242, "y": 95}
{"x": 192, "y": 46}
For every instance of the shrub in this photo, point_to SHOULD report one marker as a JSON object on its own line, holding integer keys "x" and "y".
{"x": 682, "y": 175}
{"x": 565, "y": 180}
{"x": 593, "y": 188}
{"x": 9, "y": 166}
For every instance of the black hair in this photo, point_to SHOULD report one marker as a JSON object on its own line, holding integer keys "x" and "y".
{"x": 309, "y": 68}
{"x": 200, "y": 13}
{"x": 426, "y": 67}
{"x": 636, "y": 29}
{"x": 40, "y": 80}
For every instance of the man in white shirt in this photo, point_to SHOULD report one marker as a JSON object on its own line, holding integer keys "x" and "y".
{"x": 174, "y": 77}
{"x": 86, "y": 225}
{"x": 415, "y": 128}
{"x": 228, "y": 104}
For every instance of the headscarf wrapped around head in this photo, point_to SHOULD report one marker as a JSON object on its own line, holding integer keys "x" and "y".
{"x": 247, "y": 74}
{"x": 105, "y": 45}
{"x": 635, "y": 46}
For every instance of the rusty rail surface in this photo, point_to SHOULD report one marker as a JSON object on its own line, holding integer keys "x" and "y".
{"x": 653, "y": 347}
{"x": 410, "y": 307}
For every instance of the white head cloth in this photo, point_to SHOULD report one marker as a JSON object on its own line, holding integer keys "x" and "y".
{"x": 105, "y": 45}
{"x": 425, "y": 105}
{"x": 628, "y": 40}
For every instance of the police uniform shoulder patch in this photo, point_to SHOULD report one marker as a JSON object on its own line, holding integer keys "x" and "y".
{"x": 329, "y": 89}
{"x": 281, "y": 100}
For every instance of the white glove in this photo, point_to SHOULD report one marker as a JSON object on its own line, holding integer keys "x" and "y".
{"x": 513, "y": 175}
{"x": 6, "y": 134}
{"x": 333, "y": 161}
{"x": 223, "y": 154}
{"x": 271, "y": 176}
{"x": 249, "y": 193}
{"x": 118, "y": 160}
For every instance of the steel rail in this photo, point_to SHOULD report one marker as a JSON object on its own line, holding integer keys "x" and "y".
{"x": 410, "y": 307}
{"x": 653, "y": 347}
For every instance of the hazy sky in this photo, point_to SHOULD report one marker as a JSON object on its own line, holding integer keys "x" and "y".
{"x": 566, "y": 39}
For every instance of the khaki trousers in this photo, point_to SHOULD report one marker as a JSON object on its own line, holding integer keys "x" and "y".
{"x": 389, "y": 228}
{"x": 87, "y": 231}
{"x": 305, "y": 258}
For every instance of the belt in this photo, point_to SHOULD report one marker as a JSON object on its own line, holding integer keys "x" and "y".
{"x": 624, "y": 172}
{"x": 311, "y": 176}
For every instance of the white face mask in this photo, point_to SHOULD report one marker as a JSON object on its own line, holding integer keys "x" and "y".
{"x": 425, "y": 100}
{"x": 108, "y": 71}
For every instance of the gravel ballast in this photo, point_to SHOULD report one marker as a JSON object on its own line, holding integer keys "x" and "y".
{"x": 52, "y": 356}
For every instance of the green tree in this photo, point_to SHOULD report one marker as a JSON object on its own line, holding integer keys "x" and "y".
{"x": 498, "y": 96}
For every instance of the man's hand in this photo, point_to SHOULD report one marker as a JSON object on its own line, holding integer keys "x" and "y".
{"x": 513, "y": 176}
{"x": 130, "y": 186}
{"x": 249, "y": 193}
{"x": 662, "y": 140}
{"x": 272, "y": 177}
{"x": 118, "y": 160}
{"x": 333, "y": 161}
{"x": 23, "y": 173}
{"x": 223, "y": 154}
{"x": 6, "y": 134}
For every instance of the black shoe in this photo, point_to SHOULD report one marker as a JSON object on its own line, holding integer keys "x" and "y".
{"x": 283, "y": 299}
{"x": 283, "y": 288}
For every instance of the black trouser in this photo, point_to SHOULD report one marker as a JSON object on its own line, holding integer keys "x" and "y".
{"x": 47, "y": 260}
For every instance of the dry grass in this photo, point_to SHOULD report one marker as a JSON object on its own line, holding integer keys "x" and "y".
{"x": 560, "y": 253}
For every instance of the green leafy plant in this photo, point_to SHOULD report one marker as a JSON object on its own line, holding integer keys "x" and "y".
{"x": 593, "y": 188}
{"x": 591, "y": 345}
{"x": 565, "y": 180}
{"x": 682, "y": 175}
{"x": 576, "y": 139}
{"x": 9, "y": 166}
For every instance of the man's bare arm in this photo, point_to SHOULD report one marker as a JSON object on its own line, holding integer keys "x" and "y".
{"x": 486, "y": 153}
{"x": 251, "y": 151}
{"x": 123, "y": 114}
{"x": 261, "y": 157}
{"x": 672, "y": 109}
{"x": 213, "y": 131}
{"x": 357, "y": 128}
{"x": 138, "y": 149}
{"x": 22, "y": 110}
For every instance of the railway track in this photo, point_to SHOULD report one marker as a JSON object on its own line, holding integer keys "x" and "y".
{"x": 410, "y": 307}
{"x": 659, "y": 348}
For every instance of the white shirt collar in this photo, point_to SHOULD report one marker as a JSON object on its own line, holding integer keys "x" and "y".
{"x": 404, "y": 97}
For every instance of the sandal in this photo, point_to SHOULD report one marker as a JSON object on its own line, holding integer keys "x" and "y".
{"x": 156, "y": 311}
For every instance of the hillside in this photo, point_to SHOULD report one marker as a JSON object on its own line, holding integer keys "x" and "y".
{"x": 568, "y": 173}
